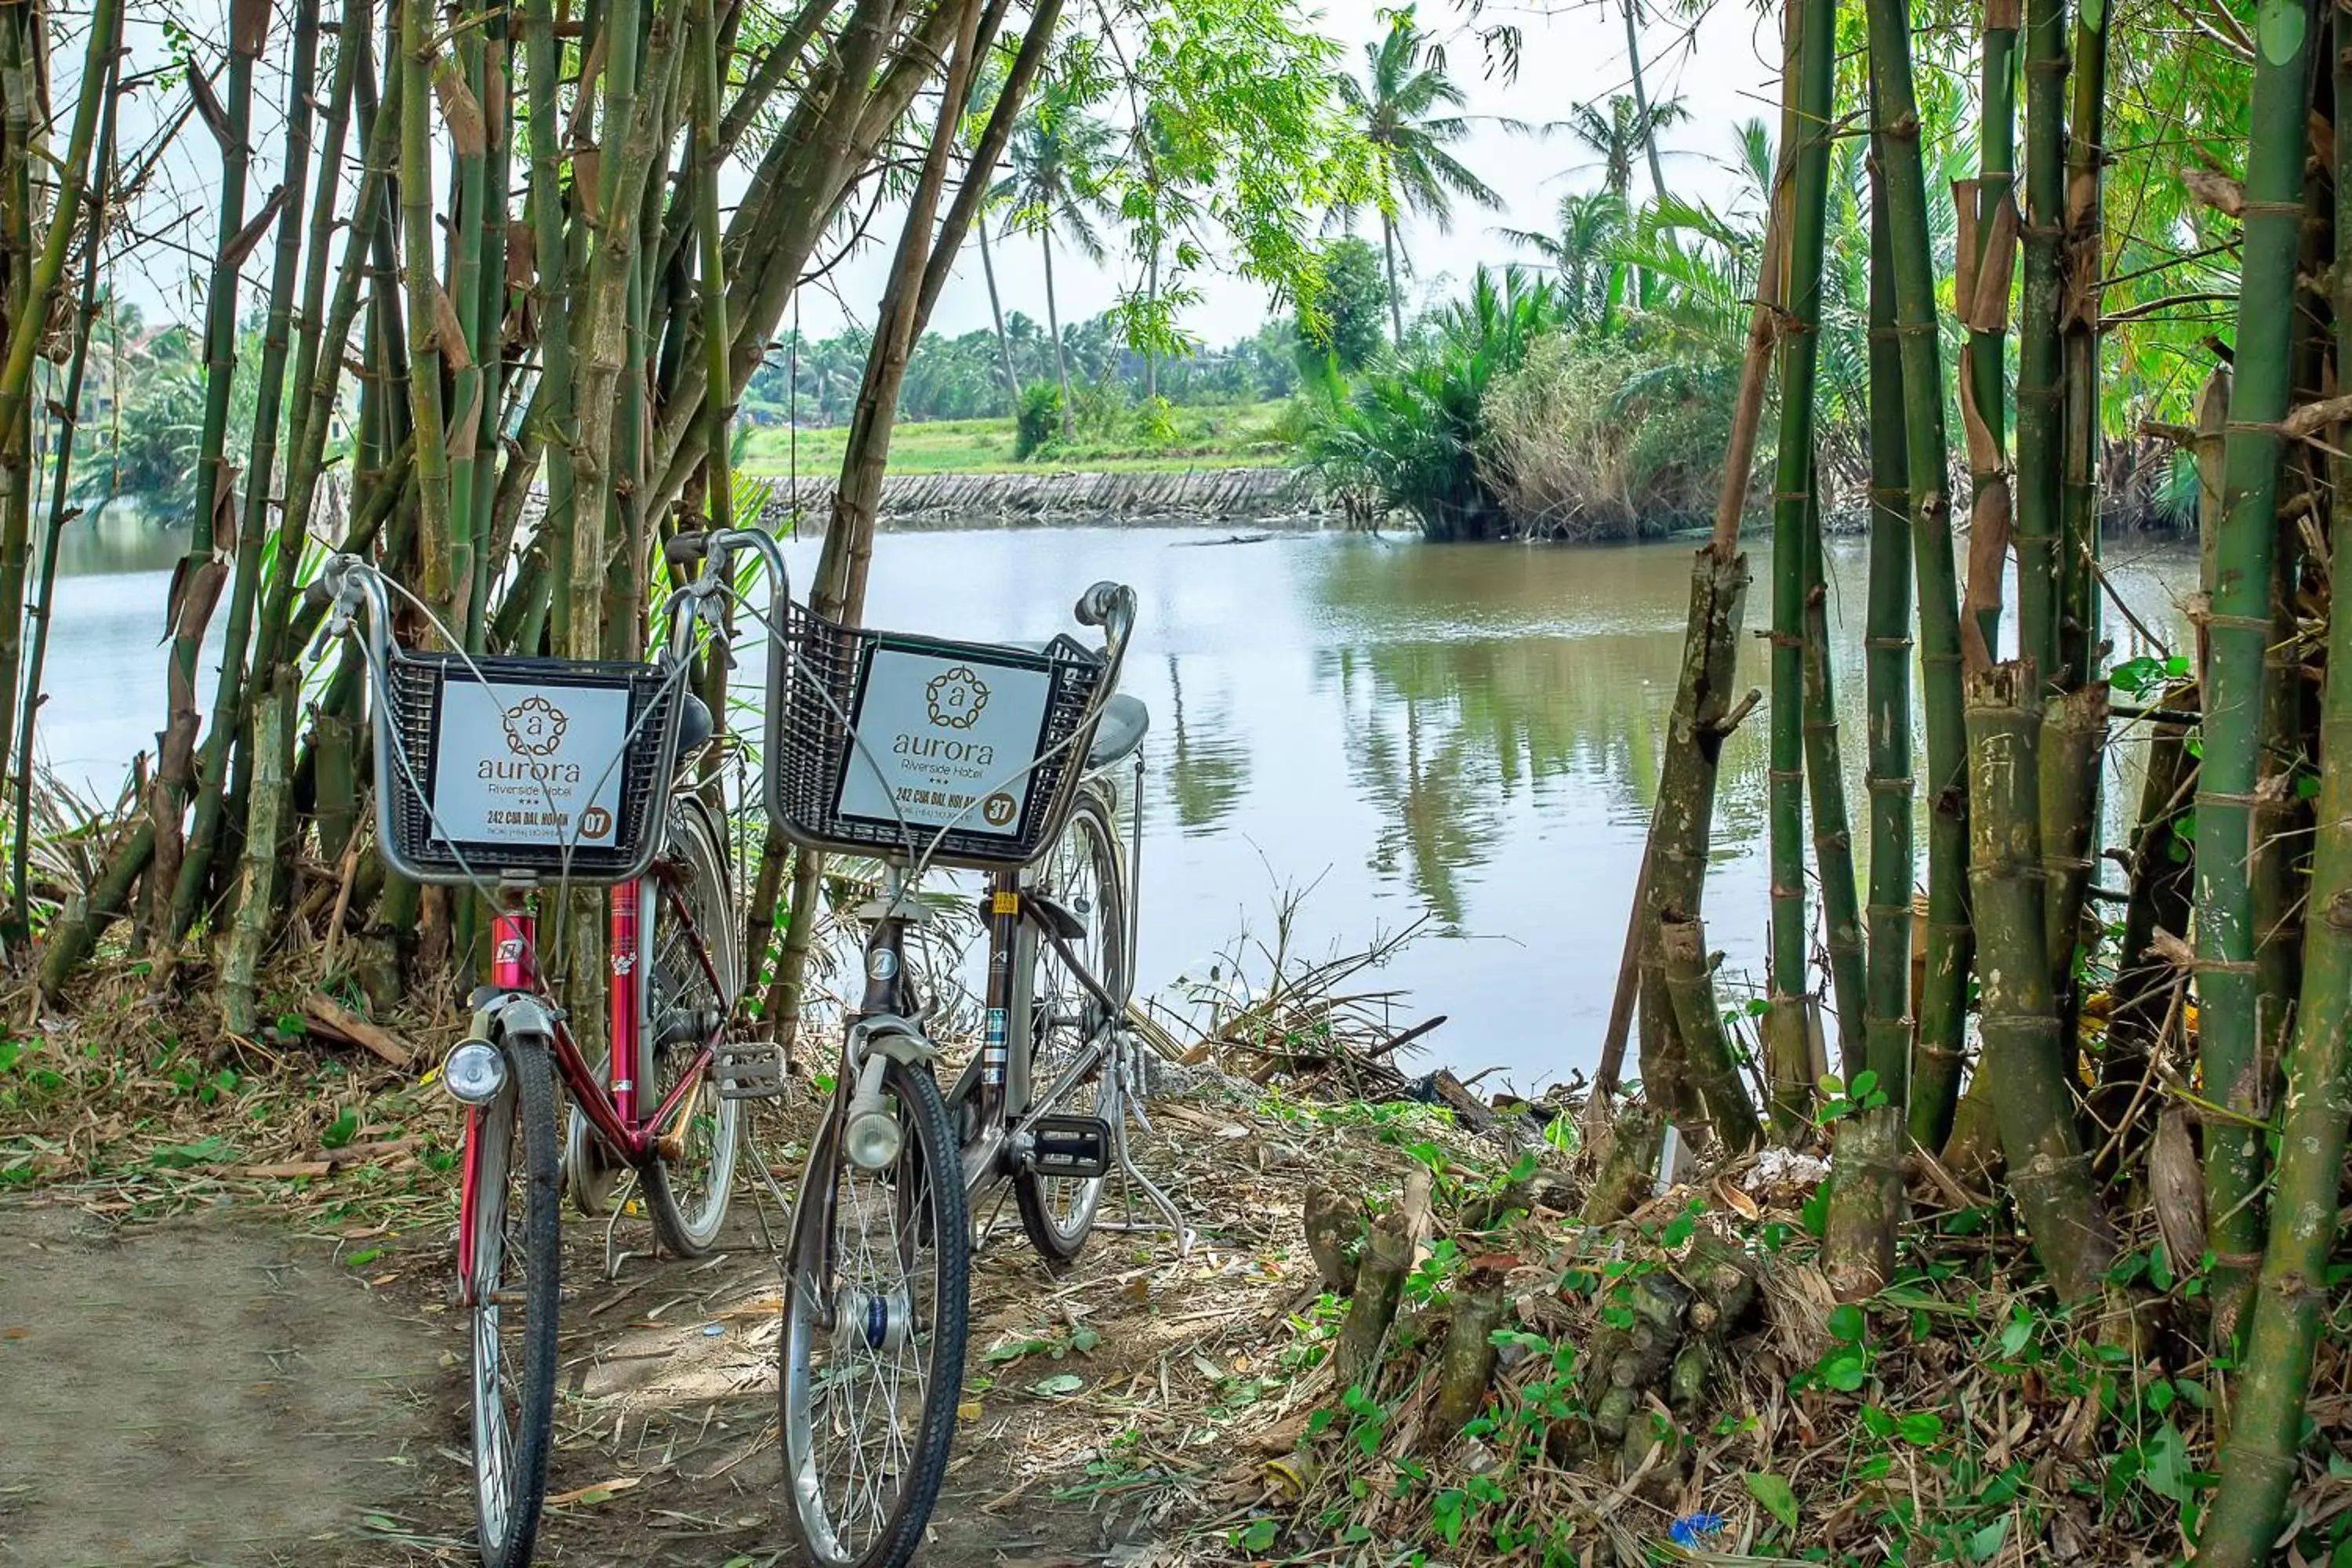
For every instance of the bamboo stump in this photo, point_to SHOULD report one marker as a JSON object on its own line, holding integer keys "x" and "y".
{"x": 1379, "y": 1284}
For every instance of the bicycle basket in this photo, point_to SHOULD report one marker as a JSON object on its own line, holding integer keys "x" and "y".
{"x": 547, "y": 767}
{"x": 877, "y": 740}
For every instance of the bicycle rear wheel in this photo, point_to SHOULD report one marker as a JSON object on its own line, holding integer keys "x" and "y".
{"x": 874, "y": 1335}
{"x": 1082, "y": 874}
{"x": 694, "y": 975}
{"x": 517, "y": 1264}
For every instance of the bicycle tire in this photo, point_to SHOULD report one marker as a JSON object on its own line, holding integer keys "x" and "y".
{"x": 690, "y": 1233}
{"x": 928, "y": 1138}
{"x": 507, "y": 1495}
{"x": 1058, "y": 1212}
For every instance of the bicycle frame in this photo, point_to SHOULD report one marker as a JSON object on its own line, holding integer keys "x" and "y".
{"x": 613, "y": 1106}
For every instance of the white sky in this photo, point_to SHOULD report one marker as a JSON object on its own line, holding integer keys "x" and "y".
{"x": 1570, "y": 53}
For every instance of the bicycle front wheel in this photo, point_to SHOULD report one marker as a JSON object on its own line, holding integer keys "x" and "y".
{"x": 516, "y": 1289}
{"x": 873, "y": 1334}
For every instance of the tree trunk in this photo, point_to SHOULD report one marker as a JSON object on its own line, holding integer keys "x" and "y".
{"x": 996, "y": 313}
{"x": 1053, "y": 325}
{"x": 1642, "y": 97}
{"x": 1396, "y": 295}
{"x": 2239, "y": 630}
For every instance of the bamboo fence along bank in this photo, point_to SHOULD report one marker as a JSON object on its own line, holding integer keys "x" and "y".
{"x": 497, "y": 232}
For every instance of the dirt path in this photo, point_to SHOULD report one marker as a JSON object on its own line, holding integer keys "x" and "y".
{"x": 209, "y": 1390}
{"x": 221, "y": 1389}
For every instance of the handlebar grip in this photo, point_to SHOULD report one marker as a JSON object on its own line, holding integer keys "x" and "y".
{"x": 686, "y": 548}
{"x": 1096, "y": 604}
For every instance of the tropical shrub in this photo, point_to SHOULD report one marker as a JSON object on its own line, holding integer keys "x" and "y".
{"x": 1038, "y": 420}
{"x": 1599, "y": 438}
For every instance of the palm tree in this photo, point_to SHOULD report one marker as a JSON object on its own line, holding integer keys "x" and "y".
{"x": 1400, "y": 108}
{"x": 1618, "y": 136}
{"x": 1583, "y": 252}
{"x": 1054, "y": 183}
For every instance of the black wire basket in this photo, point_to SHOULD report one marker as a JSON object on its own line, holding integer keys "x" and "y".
{"x": 555, "y": 769}
{"x": 972, "y": 752}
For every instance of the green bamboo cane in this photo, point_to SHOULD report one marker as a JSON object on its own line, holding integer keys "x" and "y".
{"x": 1866, "y": 1200}
{"x": 2024, "y": 1056}
{"x": 29, "y": 313}
{"x": 2238, "y": 631}
{"x": 718, "y": 408}
{"x": 314, "y": 400}
{"x": 466, "y": 413}
{"x": 1943, "y": 1008}
{"x": 602, "y": 329}
{"x": 2082, "y": 274}
{"x": 248, "y": 30}
{"x": 427, "y": 355}
{"x": 2041, "y": 394}
{"x": 543, "y": 59}
{"x": 1985, "y": 309}
{"x": 2259, "y": 1461}
{"x": 1791, "y": 1057}
{"x": 498, "y": 197}
{"x": 1833, "y": 827}
{"x": 233, "y": 696}
{"x": 60, "y": 487}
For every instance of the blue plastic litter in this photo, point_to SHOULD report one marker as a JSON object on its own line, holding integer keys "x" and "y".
{"x": 1692, "y": 1529}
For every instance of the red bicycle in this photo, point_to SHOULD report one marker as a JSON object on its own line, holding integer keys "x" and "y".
{"x": 512, "y": 776}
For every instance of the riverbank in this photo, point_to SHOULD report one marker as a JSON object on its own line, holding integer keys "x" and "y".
{"x": 1257, "y": 497}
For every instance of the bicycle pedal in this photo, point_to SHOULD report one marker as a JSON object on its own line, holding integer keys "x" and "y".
{"x": 1077, "y": 1147}
{"x": 749, "y": 1070}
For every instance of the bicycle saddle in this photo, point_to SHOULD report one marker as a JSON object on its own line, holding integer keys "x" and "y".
{"x": 1124, "y": 720}
{"x": 694, "y": 726}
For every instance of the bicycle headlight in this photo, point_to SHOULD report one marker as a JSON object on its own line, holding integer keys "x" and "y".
{"x": 474, "y": 1072}
{"x": 871, "y": 1138}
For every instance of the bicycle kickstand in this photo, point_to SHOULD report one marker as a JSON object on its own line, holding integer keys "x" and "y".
{"x": 1133, "y": 1173}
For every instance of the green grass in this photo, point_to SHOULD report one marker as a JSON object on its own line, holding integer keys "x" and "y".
{"x": 1238, "y": 436}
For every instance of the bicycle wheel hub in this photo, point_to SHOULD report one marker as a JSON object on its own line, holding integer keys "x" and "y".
{"x": 872, "y": 1322}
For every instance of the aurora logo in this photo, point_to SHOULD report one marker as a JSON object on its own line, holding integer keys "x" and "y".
{"x": 534, "y": 727}
{"x": 956, "y": 699}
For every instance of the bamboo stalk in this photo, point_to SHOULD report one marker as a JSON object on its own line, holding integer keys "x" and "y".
{"x": 2040, "y": 393}
{"x": 2238, "y": 630}
{"x": 1983, "y": 298}
{"x": 231, "y": 698}
{"x": 60, "y": 487}
{"x": 2259, "y": 1461}
{"x": 1943, "y": 1005}
{"x": 1715, "y": 1077}
{"x": 428, "y": 355}
{"x": 2082, "y": 271}
{"x": 1832, "y": 830}
{"x": 30, "y": 319}
{"x": 273, "y": 721}
{"x": 2024, "y": 1056}
{"x": 553, "y": 415}
{"x": 1791, "y": 1058}
{"x": 1866, "y": 1199}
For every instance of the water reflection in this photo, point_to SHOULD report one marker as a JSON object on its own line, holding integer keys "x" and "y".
{"x": 1467, "y": 734}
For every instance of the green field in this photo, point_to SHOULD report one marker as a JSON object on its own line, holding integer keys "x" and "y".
{"x": 1241, "y": 436}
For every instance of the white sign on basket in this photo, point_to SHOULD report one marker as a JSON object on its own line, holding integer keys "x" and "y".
{"x": 944, "y": 739}
{"x": 528, "y": 763}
